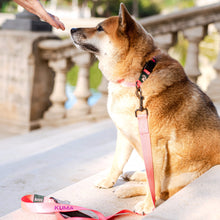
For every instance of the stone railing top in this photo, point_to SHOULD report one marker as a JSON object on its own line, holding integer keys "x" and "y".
{"x": 161, "y": 24}
{"x": 58, "y": 49}
{"x": 55, "y": 44}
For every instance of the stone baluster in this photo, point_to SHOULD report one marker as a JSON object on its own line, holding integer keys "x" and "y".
{"x": 99, "y": 110}
{"x": 194, "y": 35}
{"x": 82, "y": 91}
{"x": 213, "y": 89}
{"x": 58, "y": 96}
{"x": 165, "y": 41}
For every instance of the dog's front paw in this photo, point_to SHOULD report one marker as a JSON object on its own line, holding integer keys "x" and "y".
{"x": 131, "y": 189}
{"x": 143, "y": 207}
{"x": 105, "y": 183}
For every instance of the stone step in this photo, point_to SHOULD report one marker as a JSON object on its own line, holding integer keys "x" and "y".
{"x": 45, "y": 161}
{"x": 199, "y": 200}
{"x": 45, "y": 139}
{"x": 44, "y": 132}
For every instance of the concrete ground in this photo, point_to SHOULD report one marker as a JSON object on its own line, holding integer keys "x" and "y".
{"x": 47, "y": 160}
{"x": 199, "y": 200}
{"x": 5, "y": 134}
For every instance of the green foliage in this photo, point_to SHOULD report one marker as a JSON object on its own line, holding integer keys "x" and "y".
{"x": 106, "y": 8}
{"x": 95, "y": 76}
{"x": 72, "y": 75}
{"x": 148, "y": 8}
{"x": 209, "y": 46}
{"x": 8, "y": 6}
{"x": 180, "y": 49}
{"x": 175, "y": 4}
{"x": 145, "y": 8}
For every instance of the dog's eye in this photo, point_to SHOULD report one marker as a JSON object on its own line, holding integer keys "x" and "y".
{"x": 100, "y": 28}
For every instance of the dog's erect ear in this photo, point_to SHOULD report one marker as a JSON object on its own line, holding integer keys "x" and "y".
{"x": 125, "y": 18}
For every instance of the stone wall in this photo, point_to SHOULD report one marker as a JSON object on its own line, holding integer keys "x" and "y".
{"x": 26, "y": 81}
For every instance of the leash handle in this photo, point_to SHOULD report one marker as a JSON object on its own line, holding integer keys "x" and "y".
{"x": 48, "y": 205}
{"x": 41, "y": 204}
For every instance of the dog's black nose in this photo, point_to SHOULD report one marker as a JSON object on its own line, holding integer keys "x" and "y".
{"x": 73, "y": 30}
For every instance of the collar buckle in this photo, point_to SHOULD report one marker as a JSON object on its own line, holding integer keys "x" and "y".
{"x": 141, "y": 99}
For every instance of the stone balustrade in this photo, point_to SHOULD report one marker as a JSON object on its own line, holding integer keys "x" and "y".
{"x": 26, "y": 80}
{"x": 61, "y": 56}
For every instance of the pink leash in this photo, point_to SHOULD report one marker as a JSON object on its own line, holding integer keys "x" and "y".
{"x": 49, "y": 205}
{"x": 145, "y": 141}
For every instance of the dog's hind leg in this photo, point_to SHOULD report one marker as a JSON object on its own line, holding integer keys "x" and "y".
{"x": 160, "y": 166}
{"x": 122, "y": 154}
{"x": 138, "y": 176}
{"x": 131, "y": 189}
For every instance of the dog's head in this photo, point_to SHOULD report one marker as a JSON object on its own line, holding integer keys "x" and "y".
{"x": 117, "y": 42}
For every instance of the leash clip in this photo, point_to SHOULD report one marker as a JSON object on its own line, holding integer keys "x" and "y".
{"x": 141, "y": 98}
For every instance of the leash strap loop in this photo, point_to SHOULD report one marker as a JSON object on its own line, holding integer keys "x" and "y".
{"x": 49, "y": 205}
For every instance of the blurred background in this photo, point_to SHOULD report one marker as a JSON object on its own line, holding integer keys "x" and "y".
{"x": 200, "y": 52}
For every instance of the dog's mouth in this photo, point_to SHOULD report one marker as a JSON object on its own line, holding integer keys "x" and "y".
{"x": 86, "y": 47}
{"x": 90, "y": 48}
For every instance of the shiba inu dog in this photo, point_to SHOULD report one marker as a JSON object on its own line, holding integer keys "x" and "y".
{"x": 183, "y": 122}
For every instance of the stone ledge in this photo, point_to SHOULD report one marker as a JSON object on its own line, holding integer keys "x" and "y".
{"x": 199, "y": 200}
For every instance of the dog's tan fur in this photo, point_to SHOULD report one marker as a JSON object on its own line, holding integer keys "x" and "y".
{"x": 183, "y": 122}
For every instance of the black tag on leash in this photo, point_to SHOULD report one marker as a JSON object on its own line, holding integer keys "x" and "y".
{"x": 38, "y": 198}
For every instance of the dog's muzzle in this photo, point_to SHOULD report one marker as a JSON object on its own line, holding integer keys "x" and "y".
{"x": 79, "y": 39}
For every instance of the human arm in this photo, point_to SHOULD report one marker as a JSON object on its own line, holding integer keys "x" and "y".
{"x": 35, "y": 7}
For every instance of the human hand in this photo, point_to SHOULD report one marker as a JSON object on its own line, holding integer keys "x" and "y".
{"x": 35, "y": 7}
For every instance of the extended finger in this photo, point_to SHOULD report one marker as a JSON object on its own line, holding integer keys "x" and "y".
{"x": 60, "y": 24}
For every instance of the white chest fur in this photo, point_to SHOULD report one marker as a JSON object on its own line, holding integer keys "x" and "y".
{"x": 122, "y": 103}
